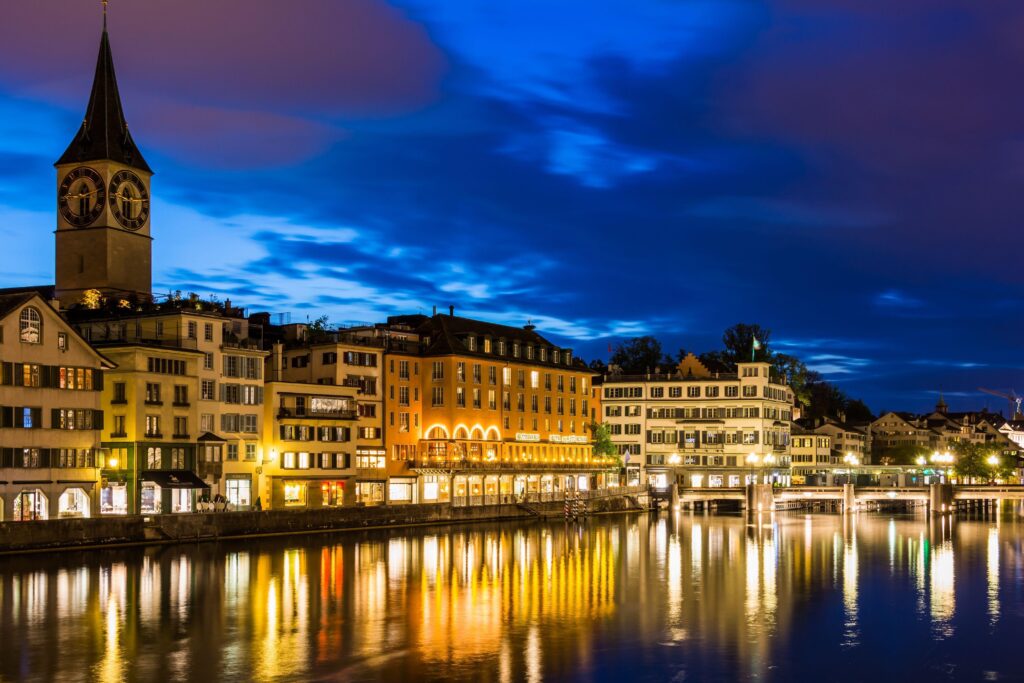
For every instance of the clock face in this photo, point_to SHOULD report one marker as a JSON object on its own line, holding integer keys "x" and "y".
{"x": 81, "y": 196}
{"x": 129, "y": 201}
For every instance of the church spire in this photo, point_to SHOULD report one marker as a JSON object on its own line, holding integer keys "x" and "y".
{"x": 104, "y": 132}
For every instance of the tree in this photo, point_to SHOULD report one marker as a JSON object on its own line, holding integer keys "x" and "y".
{"x": 598, "y": 366}
{"x": 905, "y": 454}
{"x": 739, "y": 341}
{"x": 318, "y": 330}
{"x": 982, "y": 461}
{"x": 639, "y": 355}
{"x": 603, "y": 446}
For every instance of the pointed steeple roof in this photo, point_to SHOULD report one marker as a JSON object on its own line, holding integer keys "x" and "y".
{"x": 104, "y": 132}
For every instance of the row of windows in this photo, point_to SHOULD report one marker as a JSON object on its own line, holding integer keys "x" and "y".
{"x": 714, "y": 413}
{"x": 698, "y": 391}
{"x": 50, "y": 377}
{"x": 311, "y": 433}
{"x": 192, "y": 330}
{"x": 34, "y": 458}
{"x": 541, "y": 353}
{"x": 437, "y": 375}
{"x": 165, "y": 366}
{"x": 243, "y": 367}
{"x": 306, "y": 461}
{"x": 24, "y": 417}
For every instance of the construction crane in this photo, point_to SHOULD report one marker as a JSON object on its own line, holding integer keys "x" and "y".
{"x": 1014, "y": 400}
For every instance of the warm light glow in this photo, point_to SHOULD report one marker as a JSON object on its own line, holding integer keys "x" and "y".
{"x": 752, "y": 458}
{"x": 993, "y": 460}
{"x": 112, "y": 463}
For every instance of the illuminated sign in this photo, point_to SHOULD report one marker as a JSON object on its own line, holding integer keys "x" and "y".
{"x": 321, "y": 405}
{"x": 558, "y": 438}
{"x": 523, "y": 436}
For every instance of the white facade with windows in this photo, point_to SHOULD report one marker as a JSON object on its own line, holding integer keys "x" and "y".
{"x": 700, "y": 428}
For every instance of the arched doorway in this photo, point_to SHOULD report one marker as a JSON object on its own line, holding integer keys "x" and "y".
{"x": 31, "y": 505}
{"x": 74, "y": 502}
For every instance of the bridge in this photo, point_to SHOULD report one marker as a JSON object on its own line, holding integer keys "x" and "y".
{"x": 938, "y": 497}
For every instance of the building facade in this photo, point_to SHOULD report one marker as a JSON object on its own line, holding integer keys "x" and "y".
{"x": 477, "y": 412}
{"x": 700, "y": 428}
{"x": 51, "y": 414}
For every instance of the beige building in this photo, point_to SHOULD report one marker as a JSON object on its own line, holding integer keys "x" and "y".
{"x": 51, "y": 413}
{"x": 701, "y": 428}
{"x": 228, "y": 400}
{"x": 150, "y": 433}
{"x": 812, "y": 458}
{"x": 309, "y": 445}
{"x": 351, "y": 360}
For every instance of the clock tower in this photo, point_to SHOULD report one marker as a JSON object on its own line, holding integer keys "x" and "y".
{"x": 103, "y": 227}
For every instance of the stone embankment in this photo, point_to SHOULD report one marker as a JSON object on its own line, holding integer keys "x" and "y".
{"x": 139, "y": 530}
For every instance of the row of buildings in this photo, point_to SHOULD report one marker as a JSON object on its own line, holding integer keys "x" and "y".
{"x": 112, "y": 403}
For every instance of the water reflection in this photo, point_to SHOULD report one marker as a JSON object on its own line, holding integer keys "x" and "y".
{"x": 676, "y": 596}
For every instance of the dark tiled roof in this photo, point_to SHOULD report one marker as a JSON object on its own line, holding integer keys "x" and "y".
{"x": 9, "y": 302}
{"x": 104, "y": 132}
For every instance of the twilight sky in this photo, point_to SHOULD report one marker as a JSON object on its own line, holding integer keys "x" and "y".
{"x": 849, "y": 173}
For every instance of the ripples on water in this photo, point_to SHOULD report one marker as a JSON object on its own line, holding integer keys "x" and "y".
{"x": 677, "y": 597}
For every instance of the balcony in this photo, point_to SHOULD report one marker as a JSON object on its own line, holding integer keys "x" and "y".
{"x": 471, "y": 465}
{"x": 181, "y": 404}
{"x": 154, "y": 435}
{"x": 118, "y": 435}
{"x": 288, "y": 413}
{"x": 154, "y": 402}
{"x": 180, "y": 437}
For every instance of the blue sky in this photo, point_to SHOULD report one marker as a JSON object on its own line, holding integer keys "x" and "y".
{"x": 846, "y": 173}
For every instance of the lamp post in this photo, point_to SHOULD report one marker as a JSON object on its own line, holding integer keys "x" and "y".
{"x": 944, "y": 459}
{"x": 752, "y": 461}
{"x": 768, "y": 461}
{"x": 852, "y": 461}
{"x": 993, "y": 462}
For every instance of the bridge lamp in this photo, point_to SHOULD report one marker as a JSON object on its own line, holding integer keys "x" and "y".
{"x": 921, "y": 461}
{"x": 752, "y": 461}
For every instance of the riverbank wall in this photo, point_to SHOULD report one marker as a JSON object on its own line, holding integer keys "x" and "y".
{"x": 101, "y": 532}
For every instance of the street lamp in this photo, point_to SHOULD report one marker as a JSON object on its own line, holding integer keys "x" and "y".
{"x": 944, "y": 459}
{"x": 752, "y": 461}
{"x": 852, "y": 460}
{"x": 993, "y": 462}
{"x": 768, "y": 461}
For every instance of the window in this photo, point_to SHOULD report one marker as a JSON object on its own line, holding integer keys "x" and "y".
{"x": 208, "y": 331}
{"x": 208, "y": 361}
{"x": 460, "y": 397}
{"x": 181, "y": 426}
{"x": 30, "y": 326}
{"x": 248, "y": 424}
{"x": 477, "y": 373}
{"x": 675, "y": 392}
{"x": 711, "y": 392}
{"x": 403, "y": 369}
{"x": 476, "y": 398}
{"x": 62, "y": 341}
{"x": 154, "y": 458}
{"x": 153, "y": 425}
{"x": 403, "y": 422}
{"x": 209, "y": 390}
{"x": 403, "y": 396}
{"x": 118, "y": 429}
{"x": 506, "y": 376}
{"x": 438, "y": 396}
{"x": 732, "y": 391}
{"x": 534, "y": 379}
{"x": 329, "y": 358}
{"x": 657, "y": 392}
{"x": 30, "y": 375}
{"x": 180, "y": 395}
{"x": 460, "y": 372}
{"x": 165, "y": 366}
{"x": 491, "y": 400}
{"x": 232, "y": 451}
{"x": 153, "y": 393}
{"x": 206, "y": 423}
{"x": 438, "y": 370}
{"x": 192, "y": 329}
{"x": 120, "y": 394}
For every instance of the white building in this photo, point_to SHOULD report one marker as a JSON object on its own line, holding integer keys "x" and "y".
{"x": 698, "y": 427}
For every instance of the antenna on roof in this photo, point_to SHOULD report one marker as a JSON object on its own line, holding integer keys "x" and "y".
{"x": 105, "y": 2}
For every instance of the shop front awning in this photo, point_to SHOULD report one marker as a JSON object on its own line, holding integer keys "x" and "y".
{"x": 174, "y": 479}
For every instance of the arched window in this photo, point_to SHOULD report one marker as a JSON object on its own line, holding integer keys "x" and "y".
{"x": 30, "y": 328}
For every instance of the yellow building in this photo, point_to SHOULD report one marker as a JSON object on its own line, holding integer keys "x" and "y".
{"x": 50, "y": 413}
{"x": 309, "y": 444}
{"x": 151, "y": 431}
{"x": 352, "y": 360}
{"x": 228, "y": 398}
{"x": 811, "y": 456}
{"x": 477, "y": 412}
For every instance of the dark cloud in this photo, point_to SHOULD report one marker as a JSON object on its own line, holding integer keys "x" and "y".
{"x": 845, "y": 173}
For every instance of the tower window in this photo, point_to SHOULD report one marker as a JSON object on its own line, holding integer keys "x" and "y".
{"x": 30, "y": 326}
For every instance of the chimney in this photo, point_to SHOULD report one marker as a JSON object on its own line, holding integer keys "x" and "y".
{"x": 451, "y": 311}
{"x": 435, "y": 310}
{"x": 529, "y": 326}
{"x": 277, "y": 361}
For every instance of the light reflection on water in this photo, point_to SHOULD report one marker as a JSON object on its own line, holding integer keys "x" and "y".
{"x": 681, "y": 596}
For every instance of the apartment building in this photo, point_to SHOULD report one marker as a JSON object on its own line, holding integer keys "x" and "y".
{"x": 51, "y": 413}
{"x": 701, "y": 428}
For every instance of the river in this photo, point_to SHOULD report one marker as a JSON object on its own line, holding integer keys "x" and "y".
{"x": 676, "y": 597}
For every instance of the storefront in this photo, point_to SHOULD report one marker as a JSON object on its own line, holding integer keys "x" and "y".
{"x": 31, "y": 505}
{"x": 238, "y": 491}
{"x": 370, "y": 493}
{"x": 332, "y": 493}
{"x": 114, "y": 498}
{"x": 74, "y": 503}
{"x": 435, "y": 488}
{"x": 401, "y": 490}
{"x": 173, "y": 491}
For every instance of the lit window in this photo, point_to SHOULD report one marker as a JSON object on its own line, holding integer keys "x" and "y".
{"x": 30, "y": 326}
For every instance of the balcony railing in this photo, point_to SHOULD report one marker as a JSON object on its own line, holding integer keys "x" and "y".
{"x": 284, "y": 413}
{"x": 483, "y": 465}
